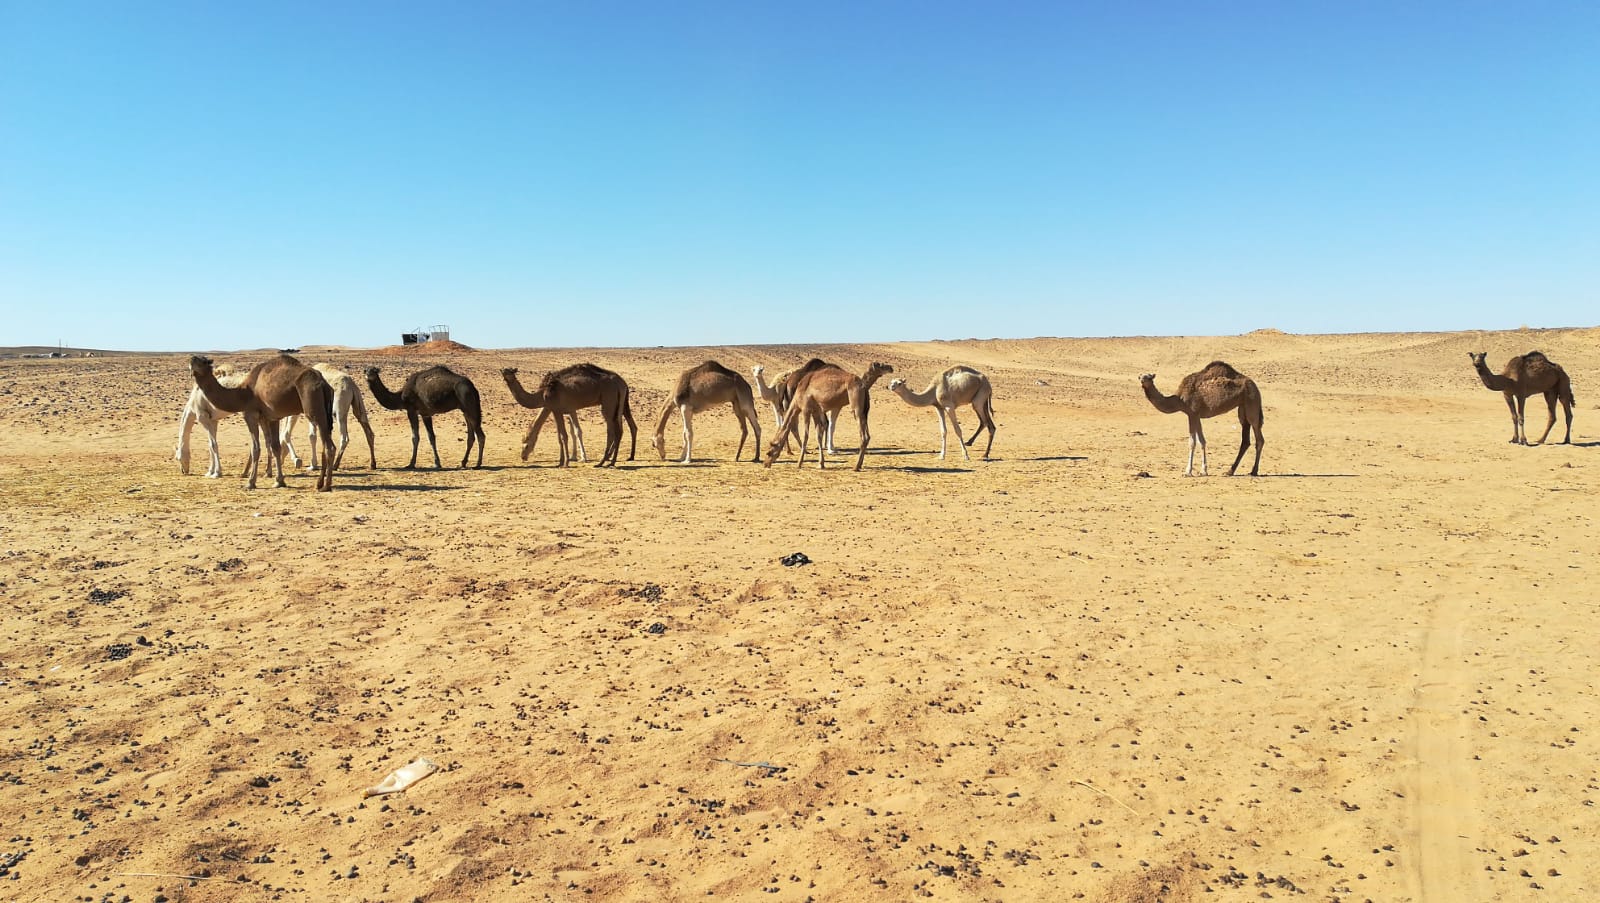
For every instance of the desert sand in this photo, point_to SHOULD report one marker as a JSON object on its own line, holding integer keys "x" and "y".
{"x": 1069, "y": 672}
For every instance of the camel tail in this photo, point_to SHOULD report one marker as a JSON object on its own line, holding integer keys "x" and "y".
{"x": 633, "y": 429}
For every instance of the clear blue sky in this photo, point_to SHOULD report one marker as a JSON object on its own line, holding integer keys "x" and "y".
{"x": 233, "y": 175}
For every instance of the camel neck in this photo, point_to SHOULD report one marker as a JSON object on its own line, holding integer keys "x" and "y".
{"x": 223, "y": 398}
{"x": 1166, "y": 404}
{"x": 920, "y": 399}
{"x": 523, "y": 396}
{"x": 1490, "y": 379}
{"x": 388, "y": 399}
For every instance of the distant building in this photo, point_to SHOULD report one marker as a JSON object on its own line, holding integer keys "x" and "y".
{"x": 440, "y": 333}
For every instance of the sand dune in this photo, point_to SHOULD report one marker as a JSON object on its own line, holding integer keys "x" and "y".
{"x": 1369, "y": 674}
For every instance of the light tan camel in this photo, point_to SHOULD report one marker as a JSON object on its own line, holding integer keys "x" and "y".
{"x": 1524, "y": 375}
{"x": 270, "y": 392}
{"x": 770, "y": 394}
{"x": 569, "y": 390}
{"x": 950, "y": 390}
{"x": 1215, "y": 390}
{"x": 346, "y": 397}
{"x": 820, "y": 393}
{"x": 704, "y": 387}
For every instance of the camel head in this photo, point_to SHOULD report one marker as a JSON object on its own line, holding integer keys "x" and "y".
{"x": 371, "y": 372}
{"x": 1147, "y": 378}
{"x": 1477, "y": 358}
{"x": 896, "y": 383}
{"x": 199, "y": 363}
{"x": 659, "y": 443}
{"x": 508, "y": 371}
{"x": 878, "y": 369}
{"x": 758, "y": 370}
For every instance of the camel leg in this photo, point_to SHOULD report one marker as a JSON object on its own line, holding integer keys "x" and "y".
{"x": 754, "y": 417}
{"x": 577, "y": 438}
{"x": 343, "y": 415}
{"x": 1516, "y": 422}
{"x": 216, "y": 453}
{"x": 1566, "y": 406}
{"x": 738, "y": 414}
{"x": 285, "y": 431}
{"x": 805, "y": 439}
{"x": 613, "y": 418}
{"x": 563, "y": 456}
{"x": 833, "y": 417}
{"x": 254, "y": 464}
{"x": 269, "y": 429}
{"x": 186, "y": 422}
{"x": 688, "y": 434}
{"x": 476, "y": 428}
{"x": 1197, "y": 436}
{"x": 412, "y": 416}
{"x": 427, "y": 423}
{"x": 1550, "y": 400}
{"x": 1244, "y": 443}
{"x": 532, "y": 437}
{"x": 956, "y": 425}
{"x": 861, "y": 453}
{"x": 985, "y": 419}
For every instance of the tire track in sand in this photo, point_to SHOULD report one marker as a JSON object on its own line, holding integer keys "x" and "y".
{"x": 1444, "y": 808}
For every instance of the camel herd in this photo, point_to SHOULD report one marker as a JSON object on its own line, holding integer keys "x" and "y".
{"x": 281, "y": 390}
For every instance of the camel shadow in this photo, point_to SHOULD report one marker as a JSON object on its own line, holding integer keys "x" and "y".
{"x": 1586, "y": 445}
{"x": 1304, "y": 476}
{"x": 1051, "y": 458}
{"x": 397, "y": 487}
{"x": 915, "y": 469}
{"x": 895, "y": 451}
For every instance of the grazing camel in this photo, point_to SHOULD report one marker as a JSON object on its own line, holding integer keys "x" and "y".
{"x": 1524, "y": 375}
{"x": 569, "y": 390}
{"x": 270, "y": 392}
{"x": 782, "y": 389}
{"x": 821, "y": 393}
{"x": 701, "y": 388}
{"x": 346, "y": 396}
{"x": 1215, "y": 390}
{"x": 429, "y": 392}
{"x": 950, "y": 390}
{"x": 199, "y": 411}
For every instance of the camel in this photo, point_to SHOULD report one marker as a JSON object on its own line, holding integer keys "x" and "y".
{"x": 950, "y": 390}
{"x": 782, "y": 389}
{"x": 270, "y": 392}
{"x": 817, "y": 395}
{"x": 199, "y": 411}
{"x": 1215, "y": 390}
{"x": 1524, "y": 375}
{"x": 429, "y": 392}
{"x": 569, "y": 390}
{"x": 701, "y": 388}
{"x": 346, "y": 396}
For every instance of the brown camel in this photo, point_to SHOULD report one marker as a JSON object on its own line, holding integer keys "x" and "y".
{"x": 818, "y": 397}
{"x": 569, "y": 390}
{"x": 1215, "y": 390}
{"x": 1524, "y": 375}
{"x": 950, "y": 390}
{"x": 270, "y": 392}
{"x": 701, "y": 388}
{"x": 436, "y": 390}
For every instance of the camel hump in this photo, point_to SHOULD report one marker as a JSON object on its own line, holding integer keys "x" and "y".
{"x": 1535, "y": 357}
{"x": 1221, "y": 368}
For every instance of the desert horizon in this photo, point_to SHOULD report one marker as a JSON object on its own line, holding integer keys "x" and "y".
{"x": 1065, "y": 672}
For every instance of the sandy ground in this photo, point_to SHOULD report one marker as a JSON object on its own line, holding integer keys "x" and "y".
{"x": 1368, "y": 675}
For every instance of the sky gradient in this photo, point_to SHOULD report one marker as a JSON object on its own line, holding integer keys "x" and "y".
{"x": 185, "y": 176}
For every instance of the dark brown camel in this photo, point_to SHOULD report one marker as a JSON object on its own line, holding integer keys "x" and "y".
{"x": 1215, "y": 390}
{"x": 569, "y": 390}
{"x": 1524, "y": 375}
{"x": 436, "y": 390}
{"x": 818, "y": 397}
{"x": 273, "y": 390}
{"x": 701, "y": 388}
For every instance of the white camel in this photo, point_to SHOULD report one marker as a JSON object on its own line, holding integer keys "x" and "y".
{"x": 198, "y": 410}
{"x": 950, "y": 390}
{"x": 346, "y": 397}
